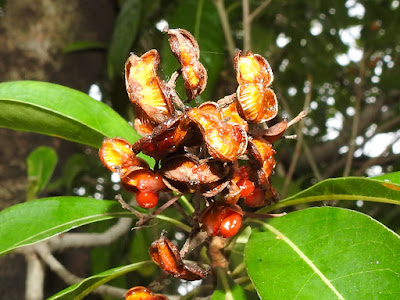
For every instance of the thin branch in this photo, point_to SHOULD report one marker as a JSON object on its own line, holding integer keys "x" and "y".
{"x": 34, "y": 276}
{"x": 300, "y": 135}
{"x": 69, "y": 278}
{"x": 227, "y": 100}
{"x": 77, "y": 240}
{"x": 356, "y": 119}
{"x": 246, "y": 26}
{"x": 310, "y": 158}
{"x": 171, "y": 88}
{"x": 148, "y": 217}
{"x": 312, "y": 162}
{"x": 258, "y": 10}
{"x": 225, "y": 26}
{"x": 128, "y": 207}
{"x": 297, "y": 119}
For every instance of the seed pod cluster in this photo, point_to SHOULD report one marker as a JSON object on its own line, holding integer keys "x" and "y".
{"x": 217, "y": 150}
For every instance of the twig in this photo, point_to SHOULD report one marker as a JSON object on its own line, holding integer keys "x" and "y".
{"x": 227, "y": 100}
{"x": 179, "y": 208}
{"x": 44, "y": 252}
{"x": 225, "y": 26}
{"x": 192, "y": 242}
{"x": 146, "y": 218}
{"x": 297, "y": 119}
{"x": 300, "y": 135}
{"x": 310, "y": 158}
{"x": 34, "y": 276}
{"x": 356, "y": 120}
{"x": 246, "y": 26}
{"x": 128, "y": 207}
{"x": 171, "y": 89}
{"x": 77, "y": 240}
{"x": 258, "y": 10}
{"x": 312, "y": 161}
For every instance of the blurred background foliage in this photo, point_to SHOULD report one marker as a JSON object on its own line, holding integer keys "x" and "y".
{"x": 338, "y": 60}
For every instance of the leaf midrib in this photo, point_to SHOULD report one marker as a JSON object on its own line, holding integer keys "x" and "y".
{"x": 28, "y": 240}
{"x": 55, "y": 112}
{"x": 305, "y": 258}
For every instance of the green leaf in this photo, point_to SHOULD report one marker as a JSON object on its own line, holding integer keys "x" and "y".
{"x": 33, "y": 221}
{"x": 384, "y": 189}
{"x": 125, "y": 31}
{"x": 53, "y": 109}
{"x": 228, "y": 289}
{"x": 84, "y": 46}
{"x": 40, "y": 163}
{"x": 82, "y": 289}
{"x": 324, "y": 253}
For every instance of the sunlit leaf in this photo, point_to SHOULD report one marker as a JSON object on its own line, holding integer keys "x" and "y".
{"x": 384, "y": 189}
{"x": 86, "y": 286}
{"x": 33, "y": 221}
{"x": 56, "y": 110}
{"x": 324, "y": 252}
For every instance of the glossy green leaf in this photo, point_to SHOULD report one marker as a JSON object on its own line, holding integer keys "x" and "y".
{"x": 82, "y": 289}
{"x": 384, "y": 189}
{"x": 33, "y": 221}
{"x": 125, "y": 31}
{"x": 40, "y": 164}
{"x": 53, "y": 109}
{"x": 324, "y": 253}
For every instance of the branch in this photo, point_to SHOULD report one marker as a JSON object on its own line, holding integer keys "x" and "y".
{"x": 300, "y": 135}
{"x": 34, "y": 276}
{"x": 76, "y": 240}
{"x": 258, "y": 10}
{"x": 225, "y": 26}
{"x": 310, "y": 158}
{"x": 356, "y": 119}
{"x": 246, "y": 26}
{"x": 44, "y": 252}
{"x": 312, "y": 162}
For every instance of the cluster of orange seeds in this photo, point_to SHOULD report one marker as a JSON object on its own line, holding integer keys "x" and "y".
{"x": 221, "y": 150}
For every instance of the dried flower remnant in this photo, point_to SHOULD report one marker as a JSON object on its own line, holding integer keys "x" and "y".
{"x": 166, "y": 255}
{"x": 186, "y": 50}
